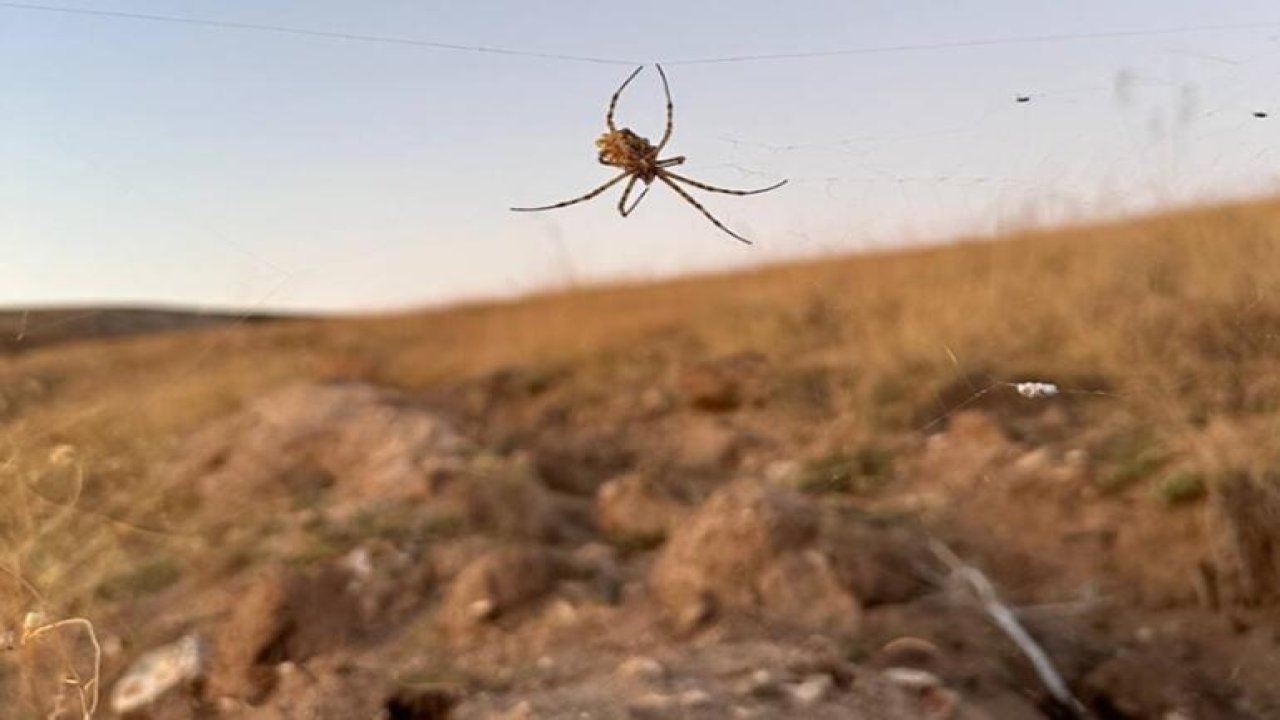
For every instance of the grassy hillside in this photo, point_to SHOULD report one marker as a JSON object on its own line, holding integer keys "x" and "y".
{"x": 1168, "y": 326}
{"x": 30, "y": 328}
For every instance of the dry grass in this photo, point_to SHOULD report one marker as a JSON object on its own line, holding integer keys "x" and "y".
{"x": 1179, "y": 313}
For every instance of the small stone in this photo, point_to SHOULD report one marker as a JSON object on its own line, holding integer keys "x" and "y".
{"x": 634, "y": 508}
{"x": 762, "y": 684}
{"x": 359, "y": 563}
{"x": 158, "y": 672}
{"x": 112, "y": 646}
{"x": 911, "y": 678}
{"x": 564, "y": 613}
{"x": 783, "y": 472}
{"x": 707, "y": 444}
{"x": 939, "y": 703}
{"x": 910, "y": 652}
{"x": 520, "y": 711}
{"x": 655, "y": 401}
{"x": 1033, "y": 461}
{"x": 641, "y": 667}
{"x": 694, "y": 615}
{"x": 709, "y": 388}
{"x": 813, "y": 690}
{"x": 481, "y": 609}
{"x": 494, "y": 584}
{"x": 695, "y": 698}
{"x": 652, "y": 706}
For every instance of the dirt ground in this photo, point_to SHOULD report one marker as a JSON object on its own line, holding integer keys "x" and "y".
{"x": 792, "y": 517}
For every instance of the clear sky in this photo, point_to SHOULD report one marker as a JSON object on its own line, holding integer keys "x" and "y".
{"x": 156, "y": 162}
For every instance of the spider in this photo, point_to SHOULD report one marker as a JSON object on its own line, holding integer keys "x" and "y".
{"x": 639, "y": 160}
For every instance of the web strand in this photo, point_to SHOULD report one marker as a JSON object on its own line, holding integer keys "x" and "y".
{"x": 714, "y": 60}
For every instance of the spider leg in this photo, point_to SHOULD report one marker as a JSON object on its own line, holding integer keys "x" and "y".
{"x": 666, "y": 89}
{"x": 576, "y": 200}
{"x": 613, "y": 102}
{"x": 712, "y": 188}
{"x": 626, "y": 192}
{"x": 689, "y": 199}
{"x": 671, "y": 162}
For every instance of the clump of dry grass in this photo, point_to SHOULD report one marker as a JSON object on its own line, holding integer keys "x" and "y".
{"x": 52, "y": 669}
{"x": 1242, "y": 459}
{"x": 86, "y": 690}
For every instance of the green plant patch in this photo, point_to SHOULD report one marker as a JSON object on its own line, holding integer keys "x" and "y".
{"x": 1181, "y": 488}
{"x": 863, "y": 471}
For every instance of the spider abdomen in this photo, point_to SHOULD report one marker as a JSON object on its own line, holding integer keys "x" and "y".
{"x": 626, "y": 149}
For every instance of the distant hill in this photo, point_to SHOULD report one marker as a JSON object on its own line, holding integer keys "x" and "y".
{"x": 27, "y": 329}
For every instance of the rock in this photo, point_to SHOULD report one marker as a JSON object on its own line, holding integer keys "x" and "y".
{"x": 933, "y": 700}
{"x": 595, "y": 566}
{"x": 654, "y": 706}
{"x": 158, "y": 672}
{"x": 801, "y": 588}
{"x": 727, "y": 543}
{"x": 1151, "y": 683}
{"x": 911, "y": 678}
{"x": 578, "y": 464}
{"x": 706, "y": 444}
{"x": 725, "y": 383}
{"x": 971, "y": 446}
{"x": 811, "y": 691}
{"x": 909, "y": 652}
{"x": 284, "y": 615}
{"x": 751, "y": 548}
{"x": 633, "y": 509}
{"x": 259, "y": 617}
{"x": 348, "y": 441}
{"x": 696, "y": 698}
{"x": 655, "y": 401}
{"x": 322, "y": 691}
{"x": 522, "y": 710}
{"x": 761, "y": 684}
{"x": 706, "y": 388}
{"x": 786, "y": 473}
{"x": 642, "y": 668}
{"x": 876, "y": 563}
{"x": 494, "y": 584}
{"x": 939, "y": 703}
{"x": 386, "y": 583}
{"x": 503, "y": 497}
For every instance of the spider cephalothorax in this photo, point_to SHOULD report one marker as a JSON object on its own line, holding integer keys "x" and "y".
{"x": 638, "y": 160}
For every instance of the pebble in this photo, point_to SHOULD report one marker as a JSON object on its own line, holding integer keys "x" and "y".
{"x": 695, "y": 698}
{"x": 641, "y": 667}
{"x": 652, "y": 706}
{"x": 911, "y": 678}
{"x": 159, "y": 671}
{"x": 762, "y": 684}
{"x": 811, "y": 691}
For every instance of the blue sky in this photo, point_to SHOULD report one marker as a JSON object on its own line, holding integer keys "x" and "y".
{"x": 148, "y": 162}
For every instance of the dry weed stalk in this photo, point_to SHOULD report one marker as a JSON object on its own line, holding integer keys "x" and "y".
{"x": 1005, "y": 618}
{"x": 35, "y": 623}
{"x": 87, "y": 690}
